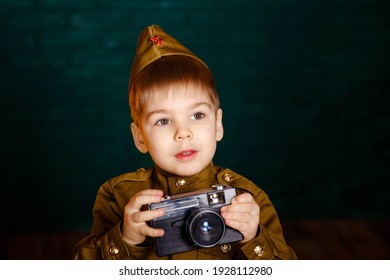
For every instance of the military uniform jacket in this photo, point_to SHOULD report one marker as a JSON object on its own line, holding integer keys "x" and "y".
{"x": 105, "y": 239}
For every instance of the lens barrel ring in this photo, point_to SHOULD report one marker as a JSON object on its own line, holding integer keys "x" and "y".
{"x": 205, "y": 227}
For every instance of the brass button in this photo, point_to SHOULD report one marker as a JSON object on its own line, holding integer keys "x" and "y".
{"x": 180, "y": 182}
{"x": 114, "y": 250}
{"x": 227, "y": 177}
{"x": 226, "y": 248}
{"x": 259, "y": 251}
{"x": 141, "y": 169}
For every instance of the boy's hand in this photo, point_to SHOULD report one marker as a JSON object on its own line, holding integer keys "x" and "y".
{"x": 135, "y": 230}
{"x": 242, "y": 215}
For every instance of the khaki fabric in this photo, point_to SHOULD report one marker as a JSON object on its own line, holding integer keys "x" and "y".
{"x": 154, "y": 43}
{"x": 105, "y": 238}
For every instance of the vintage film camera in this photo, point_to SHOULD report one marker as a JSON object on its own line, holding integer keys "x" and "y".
{"x": 192, "y": 221}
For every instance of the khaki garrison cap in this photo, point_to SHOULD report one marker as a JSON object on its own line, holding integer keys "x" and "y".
{"x": 154, "y": 43}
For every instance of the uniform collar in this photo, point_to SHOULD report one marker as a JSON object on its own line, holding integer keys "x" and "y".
{"x": 173, "y": 184}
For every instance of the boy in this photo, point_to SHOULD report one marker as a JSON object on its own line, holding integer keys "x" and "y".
{"x": 178, "y": 121}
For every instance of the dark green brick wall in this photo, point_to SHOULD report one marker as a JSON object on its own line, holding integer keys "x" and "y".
{"x": 304, "y": 86}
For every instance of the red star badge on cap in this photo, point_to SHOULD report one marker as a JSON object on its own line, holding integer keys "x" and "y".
{"x": 157, "y": 40}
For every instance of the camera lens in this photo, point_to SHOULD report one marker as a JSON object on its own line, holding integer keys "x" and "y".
{"x": 205, "y": 227}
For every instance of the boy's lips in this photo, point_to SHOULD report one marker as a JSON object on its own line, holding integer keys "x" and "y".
{"x": 186, "y": 154}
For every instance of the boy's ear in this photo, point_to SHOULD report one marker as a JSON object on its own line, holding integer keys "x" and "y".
{"x": 219, "y": 126}
{"x": 138, "y": 138}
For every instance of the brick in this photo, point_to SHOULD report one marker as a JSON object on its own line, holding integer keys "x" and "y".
{"x": 304, "y": 82}
{"x": 97, "y": 58}
{"x": 167, "y": 20}
{"x": 68, "y": 39}
{"x": 37, "y": 20}
{"x": 164, "y": 4}
{"x": 67, "y": 3}
{"x": 19, "y": 40}
{"x": 16, "y": 4}
{"x": 123, "y": 40}
{"x": 99, "y": 20}
{"x": 217, "y": 19}
{"x": 33, "y": 58}
{"x": 128, "y": 4}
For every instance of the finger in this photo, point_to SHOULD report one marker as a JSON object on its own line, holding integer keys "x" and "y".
{"x": 236, "y": 224}
{"x": 245, "y": 223}
{"x": 252, "y": 208}
{"x": 139, "y": 234}
{"x": 242, "y": 198}
{"x": 152, "y": 232}
{"x": 147, "y": 215}
{"x": 145, "y": 197}
{"x": 240, "y": 217}
{"x": 248, "y": 231}
{"x": 151, "y": 192}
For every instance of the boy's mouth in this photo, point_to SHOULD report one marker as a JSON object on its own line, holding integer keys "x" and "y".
{"x": 186, "y": 154}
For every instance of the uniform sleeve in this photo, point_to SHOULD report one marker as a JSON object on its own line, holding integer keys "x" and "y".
{"x": 269, "y": 242}
{"x": 105, "y": 239}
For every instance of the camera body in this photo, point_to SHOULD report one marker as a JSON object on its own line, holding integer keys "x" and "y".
{"x": 192, "y": 221}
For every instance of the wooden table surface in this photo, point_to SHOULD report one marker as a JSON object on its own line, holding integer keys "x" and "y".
{"x": 311, "y": 240}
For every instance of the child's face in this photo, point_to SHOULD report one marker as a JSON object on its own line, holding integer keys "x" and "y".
{"x": 180, "y": 130}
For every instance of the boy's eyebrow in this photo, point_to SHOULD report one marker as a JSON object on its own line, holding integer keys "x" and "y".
{"x": 160, "y": 111}
{"x": 163, "y": 111}
{"x": 200, "y": 104}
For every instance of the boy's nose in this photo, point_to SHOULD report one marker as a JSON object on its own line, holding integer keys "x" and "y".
{"x": 182, "y": 134}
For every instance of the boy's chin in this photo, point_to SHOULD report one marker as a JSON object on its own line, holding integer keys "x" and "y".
{"x": 187, "y": 170}
{"x": 186, "y": 173}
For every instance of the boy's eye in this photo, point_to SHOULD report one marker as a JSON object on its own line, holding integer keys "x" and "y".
{"x": 198, "y": 116}
{"x": 163, "y": 122}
